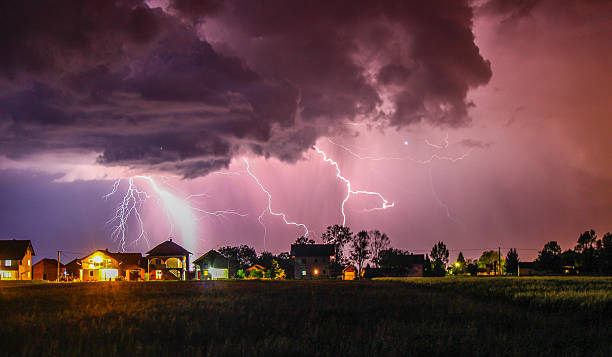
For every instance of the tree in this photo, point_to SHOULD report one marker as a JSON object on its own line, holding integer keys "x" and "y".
{"x": 472, "y": 268}
{"x": 460, "y": 265}
{"x": 338, "y": 236}
{"x": 360, "y": 249}
{"x": 241, "y": 257}
{"x": 304, "y": 240}
{"x": 605, "y": 254}
{"x": 512, "y": 262}
{"x": 439, "y": 256}
{"x": 276, "y": 272}
{"x": 380, "y": 242}
{"x": 490, "y": 261}
{"x": 265, "y": 259}
{"x": 588, "y": 253}
{"x": 286, "y": 263}
{"x": 427, "y": 266}
{"x": 549, "y": 258}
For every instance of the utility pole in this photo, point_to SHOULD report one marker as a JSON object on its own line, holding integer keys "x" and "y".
{"x": 58, "y": 265}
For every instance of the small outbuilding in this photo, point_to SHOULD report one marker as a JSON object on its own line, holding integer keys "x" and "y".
{"x": 46, "y": 269}
{"x": 212, "y": 266}
{"x": 349, "y": 273}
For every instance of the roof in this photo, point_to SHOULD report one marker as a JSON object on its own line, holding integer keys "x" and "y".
{"x": 14, "y": 248}
{"x": 127, "y": 258}
{"x": 256, "y": 266}
{"x": 349, "y": 268}
{"x": 212, "y": 258}
{"x": 168, "y": 248}
{"x": 312, "y": 250}
{"x": 49, "y": 261}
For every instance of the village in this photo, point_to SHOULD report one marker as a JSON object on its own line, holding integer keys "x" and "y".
{"x": 370, "y": 257}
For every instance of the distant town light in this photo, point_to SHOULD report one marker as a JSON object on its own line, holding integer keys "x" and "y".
{"x": 316, "y": 271}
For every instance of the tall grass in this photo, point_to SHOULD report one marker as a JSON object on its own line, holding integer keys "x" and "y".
{"x": 275, "y": 318}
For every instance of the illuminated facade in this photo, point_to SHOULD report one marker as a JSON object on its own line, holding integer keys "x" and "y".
{"x": 168, "y": 261}
{"x": 349, "y": 273}
{"x": 16, "y": 259}
{"x": 312, "y": 261}
{"x": 212, "y": 266}
{"x": 103, "y": 265}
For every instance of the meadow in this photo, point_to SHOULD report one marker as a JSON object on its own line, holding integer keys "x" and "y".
{"x": 407, "y": 317}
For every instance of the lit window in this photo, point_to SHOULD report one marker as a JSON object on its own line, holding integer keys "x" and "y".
{"x": 158, "y": 274}
{"x": 303, "y": 272}
{"x": 91, "y": 260}
{"x": 7, "y": 263}
{"x": 28, "y": 262}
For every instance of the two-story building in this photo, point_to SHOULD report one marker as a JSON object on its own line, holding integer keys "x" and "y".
{"x": 103, "y": 265}
{"x": 312, "y": 261}
{"x": 168, "y": 261}
{"x": 16, "y": 259}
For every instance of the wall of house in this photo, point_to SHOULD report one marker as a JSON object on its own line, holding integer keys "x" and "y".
{"x": 46, "y": 270}
{"x": 17, "y": 269}
{"x": 305, "y": 267}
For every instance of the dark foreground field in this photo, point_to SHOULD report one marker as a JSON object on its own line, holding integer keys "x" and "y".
{"x": 453, "y": 317}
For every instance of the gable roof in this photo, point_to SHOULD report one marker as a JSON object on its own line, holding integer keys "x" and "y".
{"x": 168, "y": 248}
{"x": 212, "y": 258}
{"x": 127, "y": 258}
{"x": 14, "y": 248}
{"x": 256, "y": 266}
{"x": 349, "y": 269}
{"x": 49, "y": 261}
{"x": 312, "y": 250}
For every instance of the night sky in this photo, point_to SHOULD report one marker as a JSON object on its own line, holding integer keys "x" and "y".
{"x": 484, "y": 123}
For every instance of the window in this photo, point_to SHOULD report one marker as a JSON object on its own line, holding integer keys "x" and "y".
{"x": 316, "y": 260}
{"x": 29, "y": 262}
{"x": 303, "y": 272}
{"x": 91, "y": 273}
{"x": 7, "y": 263}
{"x": 303, "y": 261}
{"x": 158, "y": 274}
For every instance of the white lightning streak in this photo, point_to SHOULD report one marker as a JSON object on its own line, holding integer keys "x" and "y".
{"x": 178, "y": 211}
{"x": 439, "y": 146}
{"x": 269, "y": 208}
{"x": 349, "y": 191}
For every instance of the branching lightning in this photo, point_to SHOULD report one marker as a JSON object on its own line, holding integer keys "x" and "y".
{"x": 349, "y": 190}
{"x": 427, "y": 161}
{"x": 269, "y": 207}
{"x": 178, "y": 211}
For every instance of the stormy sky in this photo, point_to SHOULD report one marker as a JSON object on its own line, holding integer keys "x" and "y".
{"x": 485, "y": 123}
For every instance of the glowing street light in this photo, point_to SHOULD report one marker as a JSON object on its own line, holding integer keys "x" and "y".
{"x": 316, "y": 272}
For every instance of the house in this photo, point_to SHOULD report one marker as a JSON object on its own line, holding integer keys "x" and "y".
{"x": 256, "y": 271}
{"x": 168, "y": 261}
{"x": 104, "y": 265}
{"x": 46, "y": 269}
{"x": 526, "y": 268}
{"x": 312, "y": 261}
{"x": 212, "y": 266}
{"x": 349, "y": 273}
{"x": 73, "y": 269}
{"x": 16, "y": 259}
{"x": 405, "y": 266}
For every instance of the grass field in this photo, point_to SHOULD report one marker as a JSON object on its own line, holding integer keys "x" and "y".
{"x": 438, "y": 316}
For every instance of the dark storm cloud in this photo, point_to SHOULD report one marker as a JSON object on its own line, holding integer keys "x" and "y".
{"x": 148, "y": 89}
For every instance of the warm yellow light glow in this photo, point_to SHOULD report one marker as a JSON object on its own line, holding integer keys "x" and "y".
{"x": 217, "y": 273}
{"x": 158, "y": 274}
{"x": 316, "y": 271}
{"x": 109, "y": 274}
{"x": 91, "y": 266}
{"x": 457, "y": 264}
{"x": 97, "y": 259}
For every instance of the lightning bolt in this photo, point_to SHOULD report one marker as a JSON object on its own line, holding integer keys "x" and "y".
{"x": 349, "y": 190}
{"x": 427, "y": 161}
{"x": 178, "y": 211}
{"x": 269, "y": 207}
